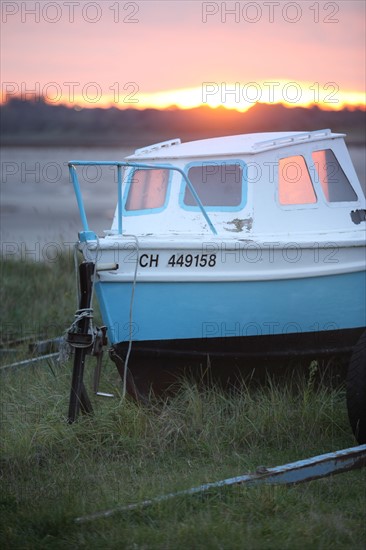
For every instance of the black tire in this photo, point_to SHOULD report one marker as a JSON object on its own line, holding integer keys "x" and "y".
{"x": 356, "y": 390}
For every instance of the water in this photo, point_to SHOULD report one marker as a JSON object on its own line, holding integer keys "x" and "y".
{"x": 39, "y": 215}
{"x": 38, "y": 206}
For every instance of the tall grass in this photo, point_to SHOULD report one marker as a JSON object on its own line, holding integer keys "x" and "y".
{"x": 52, "y": 472}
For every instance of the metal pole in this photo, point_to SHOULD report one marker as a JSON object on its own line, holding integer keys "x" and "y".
{"x": 78, "y": 395}
{"x": 296, "y": 472}
{"x": 119, "y": 209}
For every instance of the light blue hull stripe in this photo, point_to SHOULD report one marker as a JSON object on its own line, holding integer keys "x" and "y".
{"x": 167, "y": 311}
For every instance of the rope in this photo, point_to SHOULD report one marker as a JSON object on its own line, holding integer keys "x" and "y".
{"x": 131, "y": 316}
{"x": 79, "y": 315}
{"x": 95, "y": 269}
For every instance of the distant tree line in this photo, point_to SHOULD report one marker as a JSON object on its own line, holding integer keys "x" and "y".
{"x": 36, "y": 122}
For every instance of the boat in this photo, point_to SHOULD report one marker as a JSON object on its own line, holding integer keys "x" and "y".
{"x": 233, "y": 248}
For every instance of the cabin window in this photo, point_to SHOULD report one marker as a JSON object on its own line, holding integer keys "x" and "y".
{"x": 294, "y": 182}
{"x": 218, "y": 184}
{"x": 147, "y": 189}
{"x": 334, "y": 182}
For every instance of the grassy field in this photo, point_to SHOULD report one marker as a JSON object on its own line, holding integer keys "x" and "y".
{"x": 52, "y": 472}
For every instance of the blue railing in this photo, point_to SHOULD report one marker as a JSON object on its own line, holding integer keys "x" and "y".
{"x": 119, "y": 165}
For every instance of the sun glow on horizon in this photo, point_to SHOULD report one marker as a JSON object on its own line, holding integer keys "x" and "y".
{"x": 233, "y": 96}
{"x": 241, "y": 97}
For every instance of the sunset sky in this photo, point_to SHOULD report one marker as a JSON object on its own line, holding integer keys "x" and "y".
{"x": 160, "y": 53}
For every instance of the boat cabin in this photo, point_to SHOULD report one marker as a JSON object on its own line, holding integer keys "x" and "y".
{"x": 249, "y": 186}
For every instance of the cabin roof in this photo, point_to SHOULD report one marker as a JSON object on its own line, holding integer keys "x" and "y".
{"x": 229, "y": 145}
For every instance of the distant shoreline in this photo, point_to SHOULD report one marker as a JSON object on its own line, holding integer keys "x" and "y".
{"x": 122, "y": 141}
{"x": 113, "y": 144}
{"x": 38, "y": 124}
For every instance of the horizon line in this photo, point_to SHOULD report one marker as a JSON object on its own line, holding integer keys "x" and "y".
{"x": 122, "y": 106}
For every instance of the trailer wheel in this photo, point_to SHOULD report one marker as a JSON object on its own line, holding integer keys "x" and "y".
{"x": 356, "y": 390}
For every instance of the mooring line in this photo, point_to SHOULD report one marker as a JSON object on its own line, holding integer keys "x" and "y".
{"x": 27, "y": 362}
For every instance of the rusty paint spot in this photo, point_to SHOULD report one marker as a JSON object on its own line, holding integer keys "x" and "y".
{"x": 239, "y": 225}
